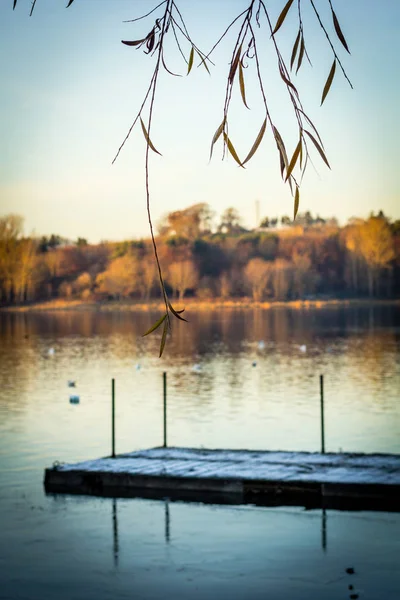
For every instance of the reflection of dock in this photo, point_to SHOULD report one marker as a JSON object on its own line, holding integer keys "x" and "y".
{"x": 348, "y": 481}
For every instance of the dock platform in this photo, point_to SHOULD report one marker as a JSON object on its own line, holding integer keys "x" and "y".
{"x": 269, "y": 478}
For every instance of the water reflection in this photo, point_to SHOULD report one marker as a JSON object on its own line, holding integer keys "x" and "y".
{"x": 227, "y": 401}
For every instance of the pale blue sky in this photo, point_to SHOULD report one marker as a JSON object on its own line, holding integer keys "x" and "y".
{"x": 70, "y": 90}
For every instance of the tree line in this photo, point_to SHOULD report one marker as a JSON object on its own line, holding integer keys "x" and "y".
{"x": 279, "y": 260}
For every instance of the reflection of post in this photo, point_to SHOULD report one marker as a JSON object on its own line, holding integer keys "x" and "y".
{"x": 167, "y": 521}
{"x": 323, "y": 530}
{"x": 115, "y": 532}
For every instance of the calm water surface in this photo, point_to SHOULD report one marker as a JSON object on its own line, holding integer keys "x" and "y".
{"x": 71, "y": 547}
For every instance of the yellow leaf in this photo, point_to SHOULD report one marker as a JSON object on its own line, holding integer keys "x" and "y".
{"x": 232, "y": 150}
{"x": 163, "y": 338}
{"x": 318, "y": 147}
{"x": 296, "y": 202}
{"x": 241, "y": 83}
{"x": 282, "y": 16}
{"x": 148, "y": 140}
{"x": 328, "y": 82}
{"x": 191, "y": 57}
{"x": 156, "y": 324}
{"x": 257, "y": 142}
{"x": 216, "y": 135}
{"x": 293, "y": 160}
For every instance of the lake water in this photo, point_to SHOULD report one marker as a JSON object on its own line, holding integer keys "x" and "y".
{"x": 254, "y": 386}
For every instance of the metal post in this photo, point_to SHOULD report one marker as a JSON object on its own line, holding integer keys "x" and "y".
{"x": 165, "y": 408}
{"x": 321, "y": 387}
{"x": 112, "y": 418}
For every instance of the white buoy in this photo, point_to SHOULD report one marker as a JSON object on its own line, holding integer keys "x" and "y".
{"x": 303, "y": 348}
{"x": 196, "y": 368}
{"x": 261, "y": 345}
{"x": 74, "y": 399}
{"x": 138, "y": 367}
{"x": 71, "y": 383}
{"x": 50, "y": 351}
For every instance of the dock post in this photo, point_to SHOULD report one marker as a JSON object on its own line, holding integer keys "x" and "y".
{"x": 321, "y": 389}
{"x": 113, "y": 418}
{"x": 165, "y": 408}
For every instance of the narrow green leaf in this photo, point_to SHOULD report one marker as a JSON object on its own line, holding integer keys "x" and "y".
{"x": 148, "y": 140}
{"x": 318, "y": 147}
{"x": 156, "y": 324}
{"x": 241, "y": 84}
{"x": 176, "y": 313}
{"x": 203, "y": 62}
{"x": 232, "y": 150}
{"x": 216, "y": 135}
{"x": 257, "y": 142}
{"x": 339, "y": 32}
{"x": 293, "y": 160}
{"x": 163, "y": 338}
{"x": 234, "y": 65}
{"x": 190, "y": 63}
{"x": 328, "y": 82}
{"x": 282, "y": 16}
{"x": 301, "y": 53}
{"x": 296, "y": 202}
{"x": 294, "y": 51}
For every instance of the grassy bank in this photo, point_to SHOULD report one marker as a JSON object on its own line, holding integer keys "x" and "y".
{"x": 191, "y": 304}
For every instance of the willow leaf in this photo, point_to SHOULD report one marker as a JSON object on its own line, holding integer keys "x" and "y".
{"x": 294, "y": 51}
{"x": 177, "y": 313}
{"x": 69, "y": 3}
{"x": 318, "y": 147}
{"x": 203, "y": 62}
{"x": 293, "y": 160}
{"x": 296, "y": 202}
{"x": 328, "y": 83}
{"x": 232, "y": 150}
{"x": 15, "y": 4}
{"x": 234, "y": 65}
{"x": 282, "y": 16}
{"x": 156, "y": 325}
{"x": 241, "y": 83}
{"x": 133, "y": 42}
{"x": 257, "y": 142}
{"x": 286, "y": 80}
{"x": 148, "y": 140}
{"x": 216, "y": 135}
{"x": 281, "y": 148}
{"x": 190, "y": 63}
{"x": 301, "y": 53}
{"x": 163, "y": 338}
{"x": 339, "y": 32}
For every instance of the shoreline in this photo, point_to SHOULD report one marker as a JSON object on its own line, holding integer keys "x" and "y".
{"x": 193, "y": 304}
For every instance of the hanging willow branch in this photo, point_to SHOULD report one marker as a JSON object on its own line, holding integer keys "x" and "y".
{"x": 253, "y": 23}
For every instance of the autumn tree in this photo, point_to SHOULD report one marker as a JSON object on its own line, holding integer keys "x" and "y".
{"x": 377, "y": 248}
{"x": 182, "y": 276}
{"x": 282, "y": 275}
{"x": 119, "y": 279}
{"x": 258, "y": 274}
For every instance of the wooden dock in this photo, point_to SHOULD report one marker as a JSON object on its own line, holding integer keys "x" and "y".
{"x": 343, "y": 481}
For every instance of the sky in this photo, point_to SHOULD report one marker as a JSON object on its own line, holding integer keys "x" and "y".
{"x": 70, "y": 91}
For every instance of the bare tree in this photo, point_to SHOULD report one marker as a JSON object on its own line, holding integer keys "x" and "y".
{"x": 258, "y": 274}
